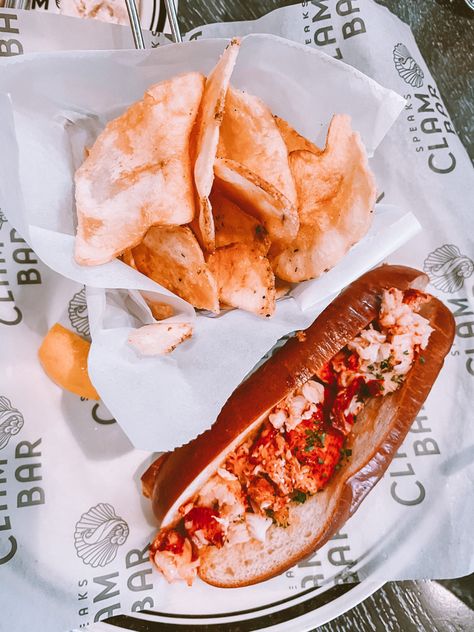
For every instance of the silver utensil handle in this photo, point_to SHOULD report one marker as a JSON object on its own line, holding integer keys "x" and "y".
{"x": 17, "y": 4}
{"x": 173, "y": 20}
{"x": 135, "y": 24}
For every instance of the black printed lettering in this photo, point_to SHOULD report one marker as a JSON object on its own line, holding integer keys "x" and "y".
{"x": 11, "y": 552}
{"x": 353, "y": 28}
{"x": 27, "y": 450}
{"x": 412, "y": 499}
{"x": 107, "y": 593}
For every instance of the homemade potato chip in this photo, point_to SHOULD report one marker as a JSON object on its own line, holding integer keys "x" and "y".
{"x": 171, "y": 256}
{"x": 159, "y": 338}
{"x": 272, "y": 208}
{"x": 210, "y": 117}
{"x": 234, "y": 226}
{"x": 244, "y": 278}
{"x": 138, "y": 173}
{"x": 63, "y": 355}
{"x": 336, "y": 192}
{"x": 293, "y": 140}
{"x": 250, "y": 136}
{"x": 127, "y": 257}
{"x": 312, "y": 253}
{"x": 160, "y": 311}
{"x": 282, "y": 288}
{"x": 258, "y": 198}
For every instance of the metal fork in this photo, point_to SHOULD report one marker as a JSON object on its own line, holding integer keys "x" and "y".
{"x": 132, "y": 14}
{"x": 136, "y": 26}
{"x": 173, "y": 19}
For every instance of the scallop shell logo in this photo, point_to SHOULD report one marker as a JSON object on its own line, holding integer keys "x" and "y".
{"x": 407, "y": 67}
{"x": 11, "y": 421}
{"x": 77, "y": 311}
{"x": 448, "y": 268}
{"x": 98, "y": 535}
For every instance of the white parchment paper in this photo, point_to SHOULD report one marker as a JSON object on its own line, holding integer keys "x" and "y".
{"x": 48, "y": 125}
{"x": 70, "y": 464}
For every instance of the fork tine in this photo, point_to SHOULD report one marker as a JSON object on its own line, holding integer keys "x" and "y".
{"x": 17, "y": 4}
{"x": 173, "y": 20}
{"x": 135, "y": 24}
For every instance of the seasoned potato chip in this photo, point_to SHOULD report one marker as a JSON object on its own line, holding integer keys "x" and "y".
{"x": 138, "y": 173}
{"x": 63, "y": 355}
{"x": 312, "y": 253}
{"x": 159, "y": 338}
{"x": 282, "y": 288}
{"x": 210, "y": 117}
{"x": 171, "y": 256}
{"x": 235, "y": 226}
{"x": 336, "y": 192}
{"x": 244, "y": 278}
{"x": 127, "y": 257}
{"x": 293, "y": 140}
{"x": 258, "y": 198}
{"x": 160, "y": 311}
{"x": 250, "y": 136}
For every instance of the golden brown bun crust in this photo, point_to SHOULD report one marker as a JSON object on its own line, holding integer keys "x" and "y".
{"x": 149, "y": 477}
{"x": 289, "y": 367}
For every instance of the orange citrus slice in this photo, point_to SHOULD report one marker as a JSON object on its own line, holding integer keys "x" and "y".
{"x": 63, "y": 356}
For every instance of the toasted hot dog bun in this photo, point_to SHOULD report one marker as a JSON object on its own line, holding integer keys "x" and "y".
{"x": 380, "y": 430}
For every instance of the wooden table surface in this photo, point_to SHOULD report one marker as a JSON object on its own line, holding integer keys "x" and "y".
{"x": 444, "y": 30}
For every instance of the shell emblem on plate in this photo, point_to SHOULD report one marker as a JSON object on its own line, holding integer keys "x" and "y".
{"x": 77, "y": 310}
{"x": 11, "y": 421}
{"x": 99, "y": 534}
{"x": 407, "y": 67}
{"x": 448, "y": 268}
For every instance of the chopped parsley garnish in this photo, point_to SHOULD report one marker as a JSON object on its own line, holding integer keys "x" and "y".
{"x": 397, "y": 378}
{"x": 422, "y": 360}
{"x": 271, "y": 514}
{"x": 386, "y": 365}
{"x": 406, "y": 352}
{"x": 314, "y": 439}
{"x": 299, "y": 496}
{"x": 371, "y": 367}
{"x": 320, "y": 461}
{"x": 344, "y": 452}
